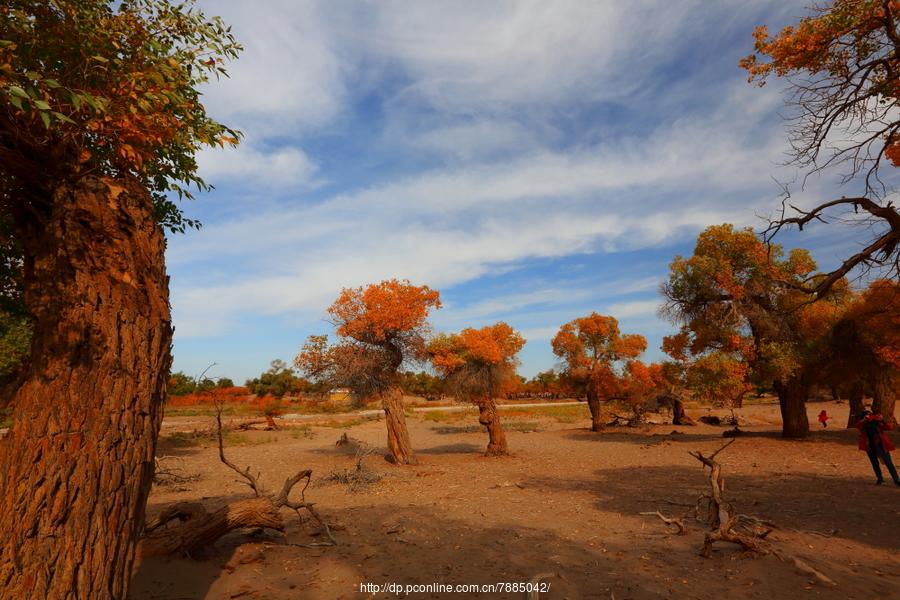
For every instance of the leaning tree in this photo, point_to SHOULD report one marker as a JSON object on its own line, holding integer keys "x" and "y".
{"x": 594, "y": 354}
{"x": 478, "y": 365}
{"x": 100, "y": 121}
{"x": 380, "y": 328}
{"x": 736, "y": 295}
{"x": 842, "y": 64}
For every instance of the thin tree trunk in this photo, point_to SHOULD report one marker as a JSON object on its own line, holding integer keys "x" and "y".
{"x": 792, "y": 397}
{"x": 856, "y": 404}
{"x": 398, "y": 435}
{"x": 593, "y": 401}
{"x": 883, "y": 398}
{"x": 489, "y": 416}
{"x": 77, "y": 465}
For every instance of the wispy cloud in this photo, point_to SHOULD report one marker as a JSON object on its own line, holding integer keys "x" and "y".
{"x": 451, "y": 143}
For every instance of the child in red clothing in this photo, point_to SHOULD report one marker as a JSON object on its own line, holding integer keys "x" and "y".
{"x": 823, "y": 418}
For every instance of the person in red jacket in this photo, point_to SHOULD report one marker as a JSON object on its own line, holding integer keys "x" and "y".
{"x": 823, "y": 418}
{"x": 875, "y": 443}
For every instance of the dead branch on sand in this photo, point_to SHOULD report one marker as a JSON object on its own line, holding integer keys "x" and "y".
{"x": 174, "y": 475}
{"x": 747, "y": 531}
{"x": 722, "y": 518}
{"x": 678, "y": 523}
{"x": 200, "y": 528}
{"x": 360, "y": 477}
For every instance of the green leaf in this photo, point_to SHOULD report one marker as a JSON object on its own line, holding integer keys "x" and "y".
{"x": 16, "y": 101}
{"x": 99, "y": 58}
{"x": 45, "y": 117}
{"x": 17, "y": 91}
{"x": 51, "y": 83}
{"x": 41, "y": 105}
{"x": 61, "y": 117}
{"x": 32, "y": 75}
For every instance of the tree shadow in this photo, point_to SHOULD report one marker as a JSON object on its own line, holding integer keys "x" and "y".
{"x": 406, "y": 545}
{"x": 662, "y": 433}
{"x": 634, "y": 435}
{"x": 459, "y": 448}
{"x": 790, "y": 500}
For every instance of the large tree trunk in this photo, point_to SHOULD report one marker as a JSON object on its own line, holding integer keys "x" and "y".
{"x": 856, "y": 404}
{"x": 489, "y": 416}
{"x": 398, "y": 435}
{"x": 679, "y": 417}
{"x": 792, "y": 396}
{"x": 77, "y": 465}
{"x": 883, "y": 398}
{"x": 593, "y": 401}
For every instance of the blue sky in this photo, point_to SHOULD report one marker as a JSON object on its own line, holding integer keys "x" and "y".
{"x": 534, "y": 161}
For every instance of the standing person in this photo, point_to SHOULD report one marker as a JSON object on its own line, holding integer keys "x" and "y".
{"x": 823, "y": 418}
{"x": 875, "y": 443}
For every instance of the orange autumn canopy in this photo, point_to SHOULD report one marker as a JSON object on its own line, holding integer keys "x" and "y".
{"x": 383, "y": 312}
{"x": 495, "y": 344}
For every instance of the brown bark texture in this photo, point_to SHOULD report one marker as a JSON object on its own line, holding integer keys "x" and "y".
{"x": 77, "y": 465}
{"x": 593, "y": 401}
{"x": 679, "y": 417}
{"x": 792, "y": 396}
{"x": 399, "y": 444}
{"x": 202, "y": 529}
{"x": 884, "y": 399}
{"x": 489, "y": 416}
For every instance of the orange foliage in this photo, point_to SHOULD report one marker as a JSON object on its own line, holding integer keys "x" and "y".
{"x": 592, "y": 347}
{"x": 877, "y": 312}
{"x": 382, "y": 312}
{"x": 847, "y": 49}
{"x": 491, "y": 345}
{"x": 211, "y": 396}
{"x": 116, "y": 85}
{"x": 485, "y": 358}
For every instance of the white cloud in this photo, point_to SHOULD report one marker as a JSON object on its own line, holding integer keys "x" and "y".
{"x": 485, "y": 55}
{"x": 478, "y": 83}
{"x": 539, "y": 334}
{"x": 635, "y": 308}
{"x": 248, "y": 165}
{"x": 291, "y": 73}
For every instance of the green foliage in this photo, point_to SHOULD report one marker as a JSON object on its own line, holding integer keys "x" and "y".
{"x": 111, "y": 88}
{"x": 15, "y": 342}
{"x": 422, "y": 384}
{"x": 181, "y": 384}
{"x": 278, "y": 381}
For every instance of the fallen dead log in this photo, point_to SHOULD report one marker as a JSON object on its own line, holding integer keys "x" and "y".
{"x": 198, "y": 528}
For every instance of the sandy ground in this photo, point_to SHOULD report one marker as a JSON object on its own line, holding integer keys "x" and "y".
{"x": 566, "y": 504}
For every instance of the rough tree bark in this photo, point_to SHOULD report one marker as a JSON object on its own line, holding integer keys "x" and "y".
{"x": 489, "y": 416}
{"x": 883, "y": 398}
{"x": 593, "y": 401}
{"x": 792, "y": 395}
{"x": 398, "y": 435}
{"x": 856, "y": 404}
{"x": 77, "y": 465}
{"x": 679, "y": 417}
